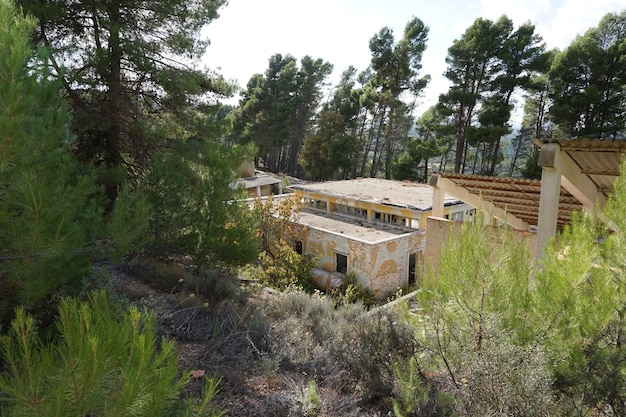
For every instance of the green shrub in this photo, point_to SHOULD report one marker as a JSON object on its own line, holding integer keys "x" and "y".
{"x": 354, "y": 292}
{"x": 412, "y": 390}
{"x": 103, "y": 364}
{"x": 306, "y": 400}
{"x": 286, "y": 268}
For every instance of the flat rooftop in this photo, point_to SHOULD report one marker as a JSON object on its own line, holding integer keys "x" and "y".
{"x": 352, "y": 228}
{"x": 404, "y": 194}
{"x": 257, "y": 181}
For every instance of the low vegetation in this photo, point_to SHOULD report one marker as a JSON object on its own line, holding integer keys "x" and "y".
{"x": 104, "y": 363}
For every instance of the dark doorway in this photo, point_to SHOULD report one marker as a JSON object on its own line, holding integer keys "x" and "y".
{"x": 342, "y": 263}
{"x": 412, "y": 269}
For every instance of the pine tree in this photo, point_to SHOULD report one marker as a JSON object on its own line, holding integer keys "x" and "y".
{"x": 106, "y": 363}
{"x": 588, "y": 80}
{"x": 503, "y": 331}
{"x": 124, "y": 66}
{"x": 51, "y": 212}
{"x": 197, "y": 210}
{"x": 49, "y": 207}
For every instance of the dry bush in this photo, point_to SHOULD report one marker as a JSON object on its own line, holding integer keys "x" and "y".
{"x": 506, "y": 379}
{"x": 213, "y": 284}
{"x": 229, "y": 333}
{"x": 307, "y": 326}
{"x": 159, "y": 275}
{"x": 341, "y": 346}
{"x": 381, "y": 340}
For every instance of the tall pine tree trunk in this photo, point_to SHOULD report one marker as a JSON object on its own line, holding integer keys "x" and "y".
{"x": 376, "y": 157}
{"x": 112, "y": 155}
{"x": 389, "y": 145}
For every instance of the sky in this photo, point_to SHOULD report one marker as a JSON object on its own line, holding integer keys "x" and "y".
{"x": 249, "y": 32}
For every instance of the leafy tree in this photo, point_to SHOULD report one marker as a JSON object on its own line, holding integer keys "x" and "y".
{"x": 122, "y": 65}
{"x": 197, "y": 211}
{"x": 588, "y": 80}
{"x": 283, "y": 267}
{"x": 277, "y": 218}
{"x": 287, "y": 269}
{"x": 51, "y": 220}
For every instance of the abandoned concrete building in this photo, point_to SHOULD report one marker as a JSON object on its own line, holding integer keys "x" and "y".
{"x": 384, "y": 231}
{"x": 260, "y": 185}
{"x": 370, "y": 227}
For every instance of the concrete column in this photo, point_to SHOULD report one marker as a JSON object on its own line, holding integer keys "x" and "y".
{"x": 549, "y": 197}
{"x": 438, "y": 201}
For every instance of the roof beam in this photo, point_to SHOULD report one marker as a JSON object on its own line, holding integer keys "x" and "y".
{"x": 572, "y": 177}
{"x": 449, "y": 186}
{"x": 601, "y": 171}
{"x": 558, "y": 168}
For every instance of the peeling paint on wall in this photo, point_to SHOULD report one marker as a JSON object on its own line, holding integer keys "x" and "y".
{"x": 388, "y": 267}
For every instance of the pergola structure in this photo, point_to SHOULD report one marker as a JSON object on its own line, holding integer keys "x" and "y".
{"x": 576, "y": 174}
{"x": 585, "y": 168}
{"x": 509, "y": 200}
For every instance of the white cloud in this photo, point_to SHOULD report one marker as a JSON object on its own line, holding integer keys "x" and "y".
{"x": 249, "y": 32}
{"x": 575, "y": 17}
